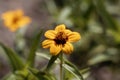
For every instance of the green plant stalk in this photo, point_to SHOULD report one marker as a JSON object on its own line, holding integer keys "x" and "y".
{"x": 61, "y": 67}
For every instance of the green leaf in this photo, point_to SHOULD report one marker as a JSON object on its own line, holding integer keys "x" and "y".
{"x": 51, "y": 62}
{"x": 14, "y": 58}
{"x": 67, "y": 65}
{"x": 87, "y": 13}
{"x": 106, "y": 17}
{"x": 42, "y": 75}
{"x": 31, "y": 56}
{"x": 43, "y": 55}
{"x": 11, "y": 77}
{"x": 73, "y": 69}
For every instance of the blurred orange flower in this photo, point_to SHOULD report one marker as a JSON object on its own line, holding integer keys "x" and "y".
{"x": 15, "y": 19}
{"x": 60, "y": 40}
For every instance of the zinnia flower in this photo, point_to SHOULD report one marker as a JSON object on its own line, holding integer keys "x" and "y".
{"x": 15, "y": 19}
{"x": 60, "y": 40}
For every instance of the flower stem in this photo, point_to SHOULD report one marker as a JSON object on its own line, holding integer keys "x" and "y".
{"x": 61, "y": 68}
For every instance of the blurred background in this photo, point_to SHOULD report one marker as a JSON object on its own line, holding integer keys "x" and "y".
{"x": 98, "y": 22}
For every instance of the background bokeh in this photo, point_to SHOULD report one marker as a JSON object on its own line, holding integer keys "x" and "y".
{"x": 98, "y": 22}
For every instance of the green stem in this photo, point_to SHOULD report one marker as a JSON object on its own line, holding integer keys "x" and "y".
{"x": 61, "y": 68}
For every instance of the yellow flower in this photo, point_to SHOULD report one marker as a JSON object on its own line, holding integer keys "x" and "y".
{"x": 15, "y": 19}
{"x": 60, "y": 40}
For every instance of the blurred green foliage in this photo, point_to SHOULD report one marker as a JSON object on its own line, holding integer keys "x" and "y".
{"x": 98, "y": 23}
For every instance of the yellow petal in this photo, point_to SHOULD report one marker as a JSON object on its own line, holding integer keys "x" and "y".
{"x": 24, "y": 21}
{"x": 7, "y": 15}
{"x": 68, "y": 48}
{"x": 8, "y": 18}
{"x": 18, "y": 13}
{"x": 67, "y": 31}
{"x": 47, "y": 43}
{"x": 73, "y": 37}
{"x": 13, "y": 27}
{"x": 60, "y": 28}
{"x": 8, "y": 22}
{"x": 55, "y": 49}
{"x": 51, "y": 34}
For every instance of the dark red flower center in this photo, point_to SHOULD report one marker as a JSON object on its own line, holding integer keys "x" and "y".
{"x": 61, "y": 38}
{"x": 15, "y": 20}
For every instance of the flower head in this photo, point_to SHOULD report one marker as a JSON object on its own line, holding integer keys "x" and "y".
{"x": 60, "y": 40}
{"x": 15, "y": 19}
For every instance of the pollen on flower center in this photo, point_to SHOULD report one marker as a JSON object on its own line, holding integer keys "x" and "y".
{"x": 61, "y": 38}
